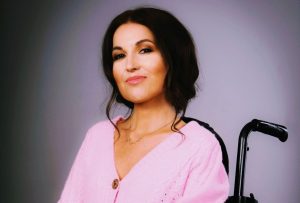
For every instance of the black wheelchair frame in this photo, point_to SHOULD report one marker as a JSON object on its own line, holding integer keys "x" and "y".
{"x": 272, "y": 129}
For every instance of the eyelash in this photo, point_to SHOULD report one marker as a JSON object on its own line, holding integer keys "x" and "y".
{"x": 118, "y": 56}
{"x": 147, "y": 50}
{"x": 143, "y": 51}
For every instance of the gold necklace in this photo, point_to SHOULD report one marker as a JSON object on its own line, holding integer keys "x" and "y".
{"x": 130, "y": 141}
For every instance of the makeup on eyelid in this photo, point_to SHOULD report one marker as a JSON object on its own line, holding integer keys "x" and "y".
{"x": 146, "y": 50}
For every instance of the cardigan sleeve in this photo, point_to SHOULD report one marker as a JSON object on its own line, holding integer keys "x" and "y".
{"x": 207, "y": 181}
{"x": 74, "y": 185}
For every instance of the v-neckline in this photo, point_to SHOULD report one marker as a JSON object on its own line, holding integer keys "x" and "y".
{"x": 153, "y": 152}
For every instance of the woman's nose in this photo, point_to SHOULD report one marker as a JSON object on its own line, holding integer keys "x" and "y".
{"x": 131, "y": 64}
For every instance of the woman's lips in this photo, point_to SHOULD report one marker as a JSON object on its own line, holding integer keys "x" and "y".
{"x": 135, "y": 79}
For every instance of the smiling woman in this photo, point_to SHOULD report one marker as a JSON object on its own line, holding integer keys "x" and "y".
{"x": 138, "y": 66}
{"x": 152, "y": 155}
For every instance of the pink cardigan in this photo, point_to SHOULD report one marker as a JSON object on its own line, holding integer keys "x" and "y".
{"x": 181, "y": 171}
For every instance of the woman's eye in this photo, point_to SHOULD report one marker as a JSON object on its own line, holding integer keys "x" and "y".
{"x": 146, "y": 50}
{"x": 118, "y": 56}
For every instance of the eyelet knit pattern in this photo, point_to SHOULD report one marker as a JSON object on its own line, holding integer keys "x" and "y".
{"x": 174, "y": 171}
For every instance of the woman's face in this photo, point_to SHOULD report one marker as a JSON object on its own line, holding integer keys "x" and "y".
{"x": 138, "y": 66}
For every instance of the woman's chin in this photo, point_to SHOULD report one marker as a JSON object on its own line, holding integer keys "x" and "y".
{"x": 136, "y": 99}
{"x": 145, "y": 98}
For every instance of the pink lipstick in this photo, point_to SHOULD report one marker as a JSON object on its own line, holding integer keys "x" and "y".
{"x": 135, "y": 79}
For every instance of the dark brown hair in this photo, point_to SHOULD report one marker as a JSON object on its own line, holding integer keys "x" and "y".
{"x": 177, "y": 48}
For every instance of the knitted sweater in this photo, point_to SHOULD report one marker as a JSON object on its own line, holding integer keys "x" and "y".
{"x": 188, "y": 170}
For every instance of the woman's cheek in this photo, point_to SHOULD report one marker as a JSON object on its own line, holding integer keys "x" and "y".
{"x": 117, "y": 74}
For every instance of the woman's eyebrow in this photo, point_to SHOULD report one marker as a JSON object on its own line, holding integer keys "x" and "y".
{"x": 143, "y": 40}
{"x": 137, "y": 43}
{"x": 117, "y": 48}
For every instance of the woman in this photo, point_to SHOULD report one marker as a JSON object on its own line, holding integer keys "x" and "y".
{"x": 152, "y": 155}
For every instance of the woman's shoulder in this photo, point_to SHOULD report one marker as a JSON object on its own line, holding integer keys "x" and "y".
{"x": 101, "y": 125}
{"x": 198, "y": 133}
{"x": 102, "y": 129}
{"x": 204, "y": 142}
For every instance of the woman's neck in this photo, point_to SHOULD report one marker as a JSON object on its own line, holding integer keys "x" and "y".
{"x": 147, "y": 117}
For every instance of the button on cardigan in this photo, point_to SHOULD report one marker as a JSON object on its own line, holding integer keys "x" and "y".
{"x": 181, "y": 169}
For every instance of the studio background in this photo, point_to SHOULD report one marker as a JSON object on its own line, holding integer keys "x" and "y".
{"x": 52, "y": 89}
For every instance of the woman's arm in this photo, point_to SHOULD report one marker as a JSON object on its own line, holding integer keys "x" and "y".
{"x": 74, "y": 186}
{"x": 207, "y": 181}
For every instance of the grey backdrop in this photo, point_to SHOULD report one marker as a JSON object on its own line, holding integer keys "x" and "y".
{"x": 54, "y": 91}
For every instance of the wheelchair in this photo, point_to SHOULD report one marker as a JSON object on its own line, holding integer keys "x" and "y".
{"x": 272, "y": 129}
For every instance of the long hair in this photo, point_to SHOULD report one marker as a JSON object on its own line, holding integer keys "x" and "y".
{"x": 178, "y": 51}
